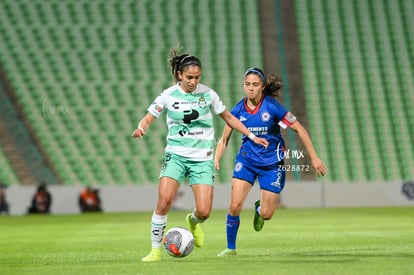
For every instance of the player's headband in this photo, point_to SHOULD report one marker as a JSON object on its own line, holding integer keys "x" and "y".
{"x": 256, "y": 71}
{"x": 189, "y": 60}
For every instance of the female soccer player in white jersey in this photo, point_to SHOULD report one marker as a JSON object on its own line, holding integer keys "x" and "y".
{"x": 189, "y": 106}
{"x": 263, "y": 116}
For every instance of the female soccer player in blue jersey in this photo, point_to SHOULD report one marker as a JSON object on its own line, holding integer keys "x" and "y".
{"x": 263, "y": 116}
{"x": 189, "y": 106}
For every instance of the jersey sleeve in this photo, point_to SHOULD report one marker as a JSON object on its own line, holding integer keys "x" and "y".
{"x": 217, "y": 105}
{"x": 158, "y": 106}
{"x": 235, "y": 111}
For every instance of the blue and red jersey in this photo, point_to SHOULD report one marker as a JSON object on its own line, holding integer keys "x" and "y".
{"x": 264, "y": 121}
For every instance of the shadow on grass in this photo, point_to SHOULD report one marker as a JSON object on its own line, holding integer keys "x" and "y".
{"x": 274, "y": 259}
{"x": 315, "y": 256}
{"x": 361, "y": 252}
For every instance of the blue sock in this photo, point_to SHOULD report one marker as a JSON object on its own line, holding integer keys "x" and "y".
{"x": 232, "y": 227}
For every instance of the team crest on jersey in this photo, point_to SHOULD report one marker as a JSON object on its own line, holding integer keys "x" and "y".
{"x": 265, "y": 117}
{"x": 238, "y": 166}
{"x": 202, "y": 103}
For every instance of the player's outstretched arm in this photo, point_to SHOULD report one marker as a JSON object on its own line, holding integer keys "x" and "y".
{"x": 317, "y": 163}
{"x": 143, "y": 126}
{"x": 222, "y": 145}
{"x": 234, "y": 123}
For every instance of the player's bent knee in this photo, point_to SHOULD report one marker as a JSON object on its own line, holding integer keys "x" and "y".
{"x": 203, "y": 214}
{"x": 164, "y": 205}
{"x": 266, "y": 215}
{"x": 235, "y": 210}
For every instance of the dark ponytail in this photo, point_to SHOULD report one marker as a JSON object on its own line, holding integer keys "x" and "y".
{"x": 179, "y": 61}
{"x": 273, "y": 85}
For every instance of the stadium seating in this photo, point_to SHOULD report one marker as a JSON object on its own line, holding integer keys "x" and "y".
{"x": 357, "y": 65}
{"x": 7, "y": 174}
{"x": 85, "y": 72}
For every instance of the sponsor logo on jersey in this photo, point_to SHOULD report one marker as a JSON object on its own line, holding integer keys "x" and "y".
{"x": 187, "y": 133}
{"x": 259, "y": 130}
{"x": 182, "y": 132}
{"x": 190, "y": 115}
{"x": 277, "y": 182}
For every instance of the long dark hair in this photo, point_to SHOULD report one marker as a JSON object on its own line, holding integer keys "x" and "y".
{"x": 179, "y": 61}
{"x": 273, "y": 82}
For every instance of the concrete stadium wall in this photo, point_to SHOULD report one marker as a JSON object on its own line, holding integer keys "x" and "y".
{"x": 295, "y": 195}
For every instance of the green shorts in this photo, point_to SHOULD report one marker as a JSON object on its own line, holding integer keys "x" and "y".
{"x": 178, "y": 168}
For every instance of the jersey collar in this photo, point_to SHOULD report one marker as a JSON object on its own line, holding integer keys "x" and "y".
{"x": 184, "y": 92}
{"x": 250, "y": 111}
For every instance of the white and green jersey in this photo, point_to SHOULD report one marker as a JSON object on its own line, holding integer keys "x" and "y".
{"x": 189, "y": 120}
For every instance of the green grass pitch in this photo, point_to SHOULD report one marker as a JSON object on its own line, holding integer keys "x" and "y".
{"x": 296, "y": 241}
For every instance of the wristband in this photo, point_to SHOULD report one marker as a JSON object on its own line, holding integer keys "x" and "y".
{"x": 251, "y": 136}
{"x": 140, "y": 128}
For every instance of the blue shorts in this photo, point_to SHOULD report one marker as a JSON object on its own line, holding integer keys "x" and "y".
{"x": 179, "y": 168}
{"x": 271, "y": 178}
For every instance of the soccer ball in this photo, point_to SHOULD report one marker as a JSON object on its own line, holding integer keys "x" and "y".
{"x": 178, "y": 242}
